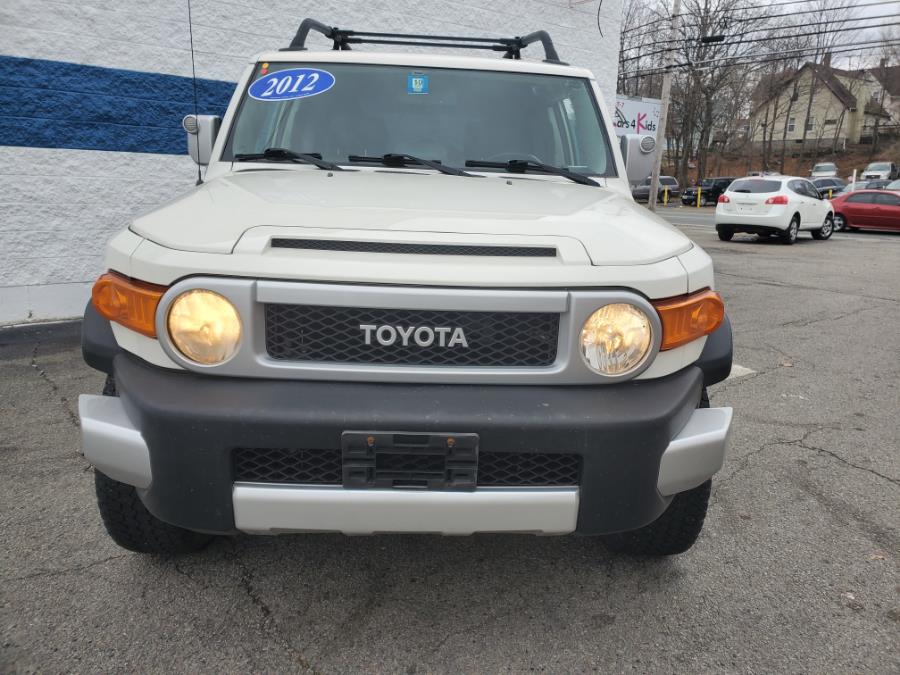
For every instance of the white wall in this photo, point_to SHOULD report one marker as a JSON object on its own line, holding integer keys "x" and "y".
{"x": 59, "y": 206}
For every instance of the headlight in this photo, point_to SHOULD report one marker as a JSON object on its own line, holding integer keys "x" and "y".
{"x": 204, "y": 326}
{"x": 615, "y": 339}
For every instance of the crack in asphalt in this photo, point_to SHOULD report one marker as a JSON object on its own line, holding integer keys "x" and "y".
{"x": 267, "y": 622}
{"x": 73, "y": 417}
{"x": 65, "y": 570}
{"x": 756, "y": 281}
{"x": 802, "y": 323}
{"x": 813, "y": 448}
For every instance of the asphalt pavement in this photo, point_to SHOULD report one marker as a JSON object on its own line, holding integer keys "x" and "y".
{"x": 796, "y": 570}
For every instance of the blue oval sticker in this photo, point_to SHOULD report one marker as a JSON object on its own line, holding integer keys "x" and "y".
{"x": 285, "y": 85}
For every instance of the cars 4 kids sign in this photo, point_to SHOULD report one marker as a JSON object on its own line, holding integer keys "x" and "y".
{"x": 636, "y": 116}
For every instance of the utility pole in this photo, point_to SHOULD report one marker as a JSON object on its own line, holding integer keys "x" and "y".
{"x": 664, "y": 106}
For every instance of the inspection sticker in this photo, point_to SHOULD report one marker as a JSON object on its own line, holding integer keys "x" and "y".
{"x": 417, "y": 83}
{"x": 292, "y": 83}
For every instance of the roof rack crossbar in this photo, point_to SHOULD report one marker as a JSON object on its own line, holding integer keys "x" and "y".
{"x": 342, "y": 39}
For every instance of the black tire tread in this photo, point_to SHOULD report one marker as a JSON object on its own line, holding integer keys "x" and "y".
{"x": 133, "y": 527}
{"x": 129, "y": 523}
{"x": 676, "y": 530}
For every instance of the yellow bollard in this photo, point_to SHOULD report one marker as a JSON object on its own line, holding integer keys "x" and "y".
{"x": 699, "y": 190}
{"x": 829, "y": 192}
{"x": 666, "y": 195}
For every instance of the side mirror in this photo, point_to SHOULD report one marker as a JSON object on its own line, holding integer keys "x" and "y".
{"x": 201, "y": 136}
{"x": 638, "y": 153}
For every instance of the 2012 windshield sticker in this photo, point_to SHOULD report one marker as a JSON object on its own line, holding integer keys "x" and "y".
{"x": 285, "y": 85}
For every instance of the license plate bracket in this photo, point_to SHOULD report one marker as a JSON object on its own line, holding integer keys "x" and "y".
{"x": 410, "y": 460}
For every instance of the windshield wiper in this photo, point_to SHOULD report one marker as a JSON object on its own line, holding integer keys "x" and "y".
{"x": 402, "y": 159}
{"x": 285, "y": 155}
{"x": 524, "y": 165}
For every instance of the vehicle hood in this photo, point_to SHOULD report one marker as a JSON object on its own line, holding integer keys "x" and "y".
{"x": 213, "y": 217}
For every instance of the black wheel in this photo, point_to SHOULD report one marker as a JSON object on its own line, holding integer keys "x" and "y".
{"x": 133, "y": 527}
{"x": 128, "y": 521}
{"x": 676, "y": 530}
{"x": 826, "y": 230}
{"x": 789, "y": 236}
{"x": 724, "y": 233}
{"x": 840, "y": 223}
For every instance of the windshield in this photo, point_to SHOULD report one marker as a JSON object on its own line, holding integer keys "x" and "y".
{"x": 893, "y": 186}
{"x": 441, "y": 114}
{"x": 879, "y": 166}
{"x": 824, "y": 167}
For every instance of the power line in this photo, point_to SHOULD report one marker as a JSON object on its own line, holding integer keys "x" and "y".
{"x": 824, "y": 22}
{"x": 773, "y": 4}
{"x": 764, "y": 39}
{"x": 812, "y": 11}
{"x": 777, "y": 56}
{"x": 770, "y": 28}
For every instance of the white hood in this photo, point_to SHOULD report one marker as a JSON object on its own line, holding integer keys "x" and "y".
{"x": 213, "y": 218}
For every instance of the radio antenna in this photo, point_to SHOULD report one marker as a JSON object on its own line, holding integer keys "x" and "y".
{"x": 194, "y": 79}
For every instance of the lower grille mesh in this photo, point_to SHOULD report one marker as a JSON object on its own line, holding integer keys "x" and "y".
{"x": 323, "y": 467}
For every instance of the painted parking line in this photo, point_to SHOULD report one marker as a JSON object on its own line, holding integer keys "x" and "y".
{"x": 739, "y": 371}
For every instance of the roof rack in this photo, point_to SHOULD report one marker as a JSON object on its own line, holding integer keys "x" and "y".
{"x": 343, "y": 38}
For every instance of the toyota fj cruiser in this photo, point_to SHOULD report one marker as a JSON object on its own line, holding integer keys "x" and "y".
{"x": 412, "y": 294}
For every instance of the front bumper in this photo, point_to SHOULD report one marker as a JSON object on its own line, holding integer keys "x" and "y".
{"x": 172, "y": 435}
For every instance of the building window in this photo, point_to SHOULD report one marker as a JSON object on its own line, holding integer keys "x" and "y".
{"x": 810, "y": 124}
{"x": 791, "y": 124}
{"x": 830, "y": 123}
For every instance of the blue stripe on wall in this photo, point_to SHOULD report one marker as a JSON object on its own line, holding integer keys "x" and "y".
{"x": 54, "y": 104}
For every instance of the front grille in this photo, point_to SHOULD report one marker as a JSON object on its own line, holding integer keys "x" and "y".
{"x": 323, "y": 467}
{"x": 415, "y": 249}
{"x": 333, "y": 334}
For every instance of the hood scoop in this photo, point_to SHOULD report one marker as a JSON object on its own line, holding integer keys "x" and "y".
{"x": 414, "y": 249}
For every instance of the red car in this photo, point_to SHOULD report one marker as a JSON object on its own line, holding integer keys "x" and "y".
{"x": 867, "y": 209}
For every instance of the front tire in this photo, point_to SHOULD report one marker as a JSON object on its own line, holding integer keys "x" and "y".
{"x": 825, "y": 231}
{"x": 840, "y": 223}
{"x": 676, "y": 530}
{"x": 725, "y": 234}
{"x": 789, "y": 236}
{"x": 133, "y": 527}
{"x": 130, "y": 524}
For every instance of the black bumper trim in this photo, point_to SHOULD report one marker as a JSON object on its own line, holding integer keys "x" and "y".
{"x": 98, "y": 344}
{"x": 192, "y": 422}
{"x": 717, "y": 355}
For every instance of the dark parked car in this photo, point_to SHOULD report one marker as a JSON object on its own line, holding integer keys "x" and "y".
{"x": 875, "y": 209}
{"x": 641, "y": 193}
{"x": 710, "y": 189}
{"x": 828, "y": 186}
{"x": 860, "y": 185}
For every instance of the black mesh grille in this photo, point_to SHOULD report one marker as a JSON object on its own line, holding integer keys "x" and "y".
{"x": 521, "y": 468}
{"x": 323, "y": 467}
{"x": 333, "y": 334}
{"x": 415, "y": 249}
{"x": 287, "y": 465}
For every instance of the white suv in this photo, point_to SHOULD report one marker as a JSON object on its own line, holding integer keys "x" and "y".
{"x": 773, "y": 205}
{"x": 412, "y": 294}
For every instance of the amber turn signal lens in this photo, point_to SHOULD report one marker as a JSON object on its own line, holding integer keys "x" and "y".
{"x": 689, "y": 317}
{"x": 127, "y": 302}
